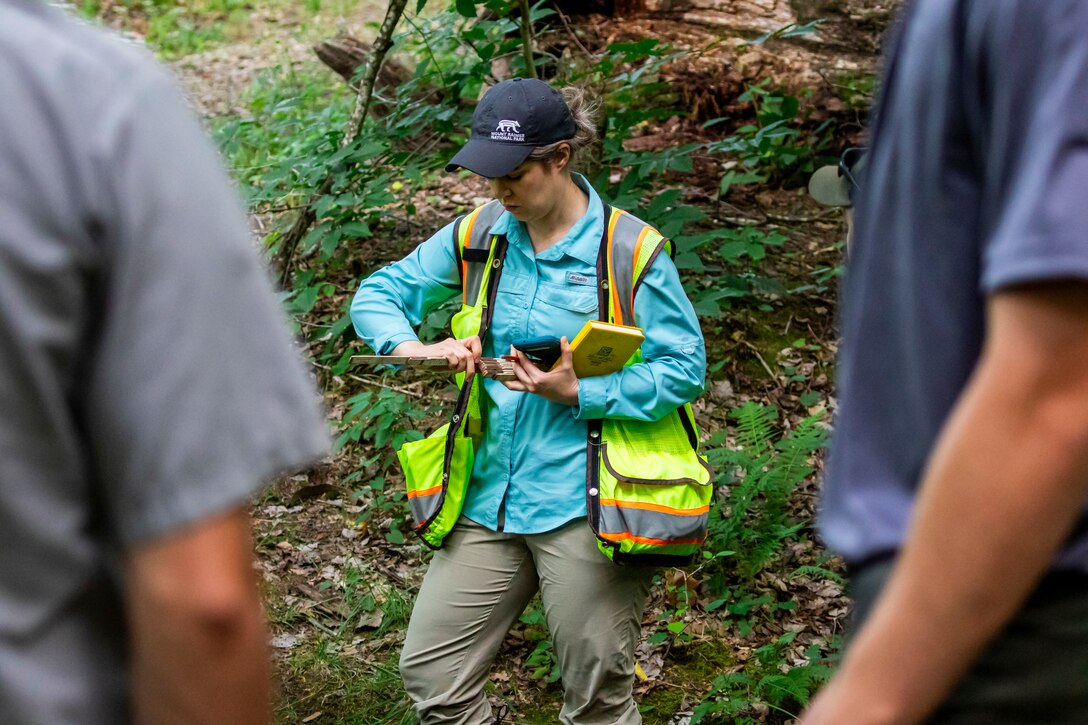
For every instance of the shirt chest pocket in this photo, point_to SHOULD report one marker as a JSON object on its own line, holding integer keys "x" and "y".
{"x": 512, "y": 290}
{"x": 563, "y": 309}
{"x": 581, "y": 299}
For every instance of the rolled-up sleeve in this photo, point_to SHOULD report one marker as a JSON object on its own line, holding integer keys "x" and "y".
{"x": 392, "y": 302}
{"x": 674, "y": 356}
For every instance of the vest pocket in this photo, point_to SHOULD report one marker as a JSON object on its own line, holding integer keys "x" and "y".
{"x": 653, "y": 490}
{"x": 435, "y": 502}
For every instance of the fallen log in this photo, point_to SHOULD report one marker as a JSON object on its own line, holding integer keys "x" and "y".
{"x": 346, "y": 54}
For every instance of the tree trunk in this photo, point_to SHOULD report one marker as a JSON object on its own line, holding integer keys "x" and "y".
{"x": 378, "y": 51}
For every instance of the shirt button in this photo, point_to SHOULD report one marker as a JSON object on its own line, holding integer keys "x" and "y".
{"x": 592, "y": 492}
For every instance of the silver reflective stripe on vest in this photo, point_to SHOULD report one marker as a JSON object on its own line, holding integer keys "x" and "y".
{"x": 650, "y": 524}
{"x": 424, "y": 507}
{"x": 625, "y": 236}
{"x": 480, "y": 238}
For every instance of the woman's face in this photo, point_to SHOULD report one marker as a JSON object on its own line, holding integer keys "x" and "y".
{"x": 531, "y": 190}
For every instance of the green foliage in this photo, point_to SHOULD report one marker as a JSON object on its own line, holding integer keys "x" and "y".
{"x": 286, "y": 150}
{"x": 724, "y": 263}
{"x": 496, "y": 35}
{"x": 174, "y": 28}
{"x": 280, "y": 153}
{"x": 769, "y": 681}
{"x": 383, "y": 419}
{"x": 542, "y": 662}
{"x": 715, "y": 279}
{"x": 627, "y": 76}
{"x": 789, "y": 30}
{"x": 359, "y": 692}
{"x": 295, "y": 121}
{"x": 749, "y": 527}
{"x": 293, "y": 138}
{"x": 818, "y": 571}
{"x": 361, "y": 598}
{"x": 856, "y": 90}
{"x": 745, "y": 242}
{"x": 680, "y": 600}
{"x": 775, "y": 149}
{"x": 823, "y": 277}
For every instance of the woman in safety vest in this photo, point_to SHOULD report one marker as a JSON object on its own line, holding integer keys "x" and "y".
{"x": 532, "y": 265}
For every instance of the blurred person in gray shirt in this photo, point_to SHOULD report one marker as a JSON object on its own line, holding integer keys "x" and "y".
{"x": 148, "y": 385}
{"x": 958, "y": 478}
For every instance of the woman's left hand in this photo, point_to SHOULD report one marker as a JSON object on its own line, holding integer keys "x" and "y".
{"x": 558, "y": 385}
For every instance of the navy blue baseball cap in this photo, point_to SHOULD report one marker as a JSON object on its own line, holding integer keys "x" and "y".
{"x": 513, "y": 118}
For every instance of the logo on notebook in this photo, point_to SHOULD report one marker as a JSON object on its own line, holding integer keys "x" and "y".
{"x": 602, "y": 356}
{"x": 507, "y": 130}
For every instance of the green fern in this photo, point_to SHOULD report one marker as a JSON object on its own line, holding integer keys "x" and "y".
{"x": 817, "y": 572}
{"x": 755, "y": 426}
{"x": 732, "y": 697}
{"x": 762, "y": 473}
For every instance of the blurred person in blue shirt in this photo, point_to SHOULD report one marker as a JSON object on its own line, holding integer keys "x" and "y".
{"x": 957, "y": 485}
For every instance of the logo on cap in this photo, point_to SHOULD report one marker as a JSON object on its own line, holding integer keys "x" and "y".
{"x": 508, "y": 131}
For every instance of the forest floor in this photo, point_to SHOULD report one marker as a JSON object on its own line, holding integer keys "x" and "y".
{"x": 339, "y": 584}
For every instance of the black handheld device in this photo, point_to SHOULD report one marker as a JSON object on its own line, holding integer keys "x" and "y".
{"x": 543, "y": 351}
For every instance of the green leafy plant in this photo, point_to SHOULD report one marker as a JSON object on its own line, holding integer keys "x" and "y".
{"x": 749, "y": 527}
{"x": 543, "y": 663}
{"x": 383, "y": 416}
{"x": 672, "y": 615}
{"x": 358, "y": 597}
{"x": 385, "y": 419}
{"x": 855, "y": 89}
{"x": 732, "y": 273}
{"x": 789, "y": 30}
{"x": 770, "y": 681}
{"x": 775, "y": 149}
{"x": 174, "y": 28}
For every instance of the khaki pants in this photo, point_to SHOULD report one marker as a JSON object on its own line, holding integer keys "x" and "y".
{"x": 477, "y": 586}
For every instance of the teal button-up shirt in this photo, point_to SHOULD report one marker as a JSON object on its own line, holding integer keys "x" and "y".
{"x": 530, "y": 470}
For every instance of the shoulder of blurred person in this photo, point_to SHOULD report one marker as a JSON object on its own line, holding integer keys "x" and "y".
{"x": 961, "y": 437}
{"x": 148, "y": 381}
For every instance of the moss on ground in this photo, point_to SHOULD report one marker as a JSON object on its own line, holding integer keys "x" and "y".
{"x": 684, "y": 681}
{"x": 333, "y": 687}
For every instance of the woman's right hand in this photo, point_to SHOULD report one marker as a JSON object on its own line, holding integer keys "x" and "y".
{"x": 460, "y": 354}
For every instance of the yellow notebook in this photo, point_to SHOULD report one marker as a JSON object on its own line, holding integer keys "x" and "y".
{"x": 601, "y": 348}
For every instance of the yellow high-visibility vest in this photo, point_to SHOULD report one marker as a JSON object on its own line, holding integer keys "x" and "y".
{"x": 648, "y": 489}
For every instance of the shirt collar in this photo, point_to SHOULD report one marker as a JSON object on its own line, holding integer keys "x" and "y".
{"x": 582, "y": 242}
